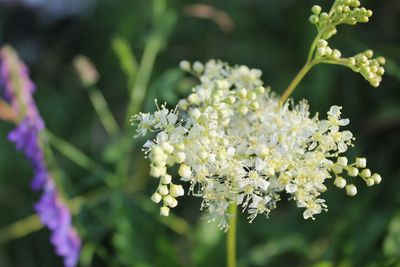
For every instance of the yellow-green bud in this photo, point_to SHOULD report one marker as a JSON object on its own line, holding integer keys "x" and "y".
{"x": 185, "y": 65}
{"x": 314, "y": 19}
{"x": 370, "y": 182}
{"x": 316, "y": 9}
{"x": 351, "y": 171}
{"x": 198, "y": 67}
{"x": 366, "y": 173}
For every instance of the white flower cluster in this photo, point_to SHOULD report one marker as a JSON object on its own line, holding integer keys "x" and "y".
{"x": 236, "y": 143}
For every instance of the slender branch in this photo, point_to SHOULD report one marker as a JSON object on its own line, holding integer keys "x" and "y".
{"x": 299, "y": 77}
{"x": 231, "y": 238}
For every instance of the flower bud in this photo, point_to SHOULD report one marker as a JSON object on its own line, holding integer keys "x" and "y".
{"x": 340, "y": 182}
{"x": 156, "y": 197}
{"x": 243, "y": 110}
{"x": 170, "y": 201}
{"x": 351, "y": 190}
{"x": 361, "y": 162}
{"x": 342, "y": 161}
{"x": 260, "y": 89}
{"x": 351, "y": 171}
{"x": 269, "y": 171}
{"x": 336, "y": 54}
{"x": 370, "y": 182}
{"x": 369, "y": 53}
{"x": 158, "y": 171}
{"x": 366, "y": 173}
{"x": 377, "y": 178}
{"x": 163, "y": 190}
{"x": 184, "y": 171}
{"x": 180, "y": 157}
{"x": 166, "y": 179}
{"x": 167, "y": 147}
{"x": 194, "y": 98}
{"x": 198, "y": 67}
{"x": 255, "y": 105}
{"x": 251, "y": 96}
{"x": 324, "y": 16}
{"x": 231, "y": 99}
{"x": 316, "y": 10}
{"x": 164, "y": 211}
{"x": 337, "y": 168}
{"x": 314, "y": 19}
{"x": 195, "y": 113}
{"x": 184, "y": 65}
{"x": 177, "y": 190}
{"x": 242, "y": 93}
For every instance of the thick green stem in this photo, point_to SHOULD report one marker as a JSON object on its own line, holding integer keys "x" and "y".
{"x": 231, "y": 238}
{"x": 299, "y": 77}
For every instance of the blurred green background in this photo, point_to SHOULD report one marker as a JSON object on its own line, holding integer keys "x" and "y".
{"x": 117, "y": 222}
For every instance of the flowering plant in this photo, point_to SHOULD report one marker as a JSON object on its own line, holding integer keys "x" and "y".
{"x": 238, "y": 144}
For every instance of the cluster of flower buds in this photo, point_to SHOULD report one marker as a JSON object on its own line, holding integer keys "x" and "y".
{"x": 356, "y": 169}
{"x": 345, "y": 12}
{"x": 342, "y": 12}
{"x": 370, "y": 68}
{"x": 324, "y": 51}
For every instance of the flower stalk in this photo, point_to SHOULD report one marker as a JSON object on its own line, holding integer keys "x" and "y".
{"x": 231, "y": 236}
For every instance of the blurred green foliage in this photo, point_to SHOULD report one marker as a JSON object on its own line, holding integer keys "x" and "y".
{"x": 118, "y": 223}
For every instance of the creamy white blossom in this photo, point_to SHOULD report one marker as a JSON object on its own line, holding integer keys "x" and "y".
{"x": 234, "y": 142}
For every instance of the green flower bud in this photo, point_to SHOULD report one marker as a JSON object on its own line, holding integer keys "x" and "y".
{"x": 314, "y": 19}
{"x": 185, "y": 65}
{"x": 324, "y": 16}
{"x": 198, "y": 67}
{"x": 370, "y": 182}
{"x": 369, "y": 53}
{"x": 316, "y": 10}
{"x": 260, "y": 90}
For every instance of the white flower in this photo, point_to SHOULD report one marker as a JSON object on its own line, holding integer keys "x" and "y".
{"x": 238, "y": 144}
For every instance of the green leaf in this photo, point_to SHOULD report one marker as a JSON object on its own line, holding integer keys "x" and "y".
{"x": 125, "y": 55}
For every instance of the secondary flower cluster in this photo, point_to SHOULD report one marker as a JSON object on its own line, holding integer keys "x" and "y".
{"x": 345, "y": 12}
{"x": 54, "y": 213}
{"x": 234, "y": 142}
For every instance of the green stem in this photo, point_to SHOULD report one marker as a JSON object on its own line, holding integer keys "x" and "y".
{"x": 143, "y": 76}
{"x": 299, "y": 77}
{"x": 231, "y": 238}
{"x": 138, "y": 93}
{"x": 74, "y": 154}
{"x": 32, "y": 223}
{"x": 100, "y": 105}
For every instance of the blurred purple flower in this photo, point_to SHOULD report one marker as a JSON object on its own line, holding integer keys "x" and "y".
{"x": 53, "y": 212}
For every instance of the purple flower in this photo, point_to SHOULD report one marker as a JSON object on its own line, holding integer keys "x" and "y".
{"x": 52, "y": 210}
